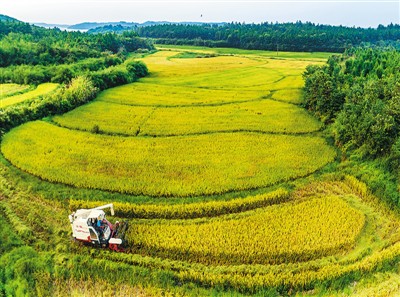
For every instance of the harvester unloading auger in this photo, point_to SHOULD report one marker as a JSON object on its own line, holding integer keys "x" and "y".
{"x": 91, "y": 226}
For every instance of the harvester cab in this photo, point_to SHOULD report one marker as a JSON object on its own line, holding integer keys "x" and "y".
{"x": 91, "y": 226}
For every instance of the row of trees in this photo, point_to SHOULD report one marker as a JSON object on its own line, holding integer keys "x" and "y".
{"x": 359, "y": 93}
{"x": 268, "y": 36}
{"x": 358, "y": 96}
{"x": 22, "y": 43}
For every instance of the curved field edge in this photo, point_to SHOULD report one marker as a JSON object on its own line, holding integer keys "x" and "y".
{"x": 41, "y": 89}
{"x": 147, "y": 93}
{"x": 284, "y": 277}
{"x": 74, "y": 261}
{"x": 189, "y": 211}
{"x": 288, "y": 232}
{"x": 179, "y": 166}
{"x": 264, "y": 116}
{"x": 10, "y": 89}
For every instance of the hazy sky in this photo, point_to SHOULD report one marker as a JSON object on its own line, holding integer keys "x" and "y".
{"x": 344, "y": 12}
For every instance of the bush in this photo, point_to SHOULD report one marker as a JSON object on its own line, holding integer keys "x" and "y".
{"x": 137, "y": 68}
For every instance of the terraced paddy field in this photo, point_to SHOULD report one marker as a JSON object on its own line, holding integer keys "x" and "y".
{"x": 228, "y": 184}
{"x": 40, "y": 90}
{"x": 7, "y": 90}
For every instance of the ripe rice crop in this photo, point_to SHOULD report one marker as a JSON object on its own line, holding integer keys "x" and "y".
{"x": 243, "y": 79}
{"x": 276, "y": 234}
{"x": 294, "y": 81}
{"x": 297, "y": 275}
{"x": 109, "y": 117}
{"x": 41, "y": 89}
{"x": 293, "y": 56}
{"x": 181, "y": 166}
{"x": 261, "y": 116}
{"x": 162, "y": 64}
{"x": 244, "y": 73}
{"x": 192, "y": 210}
{"x": 288, "y": 95}
{"x": 150, "y": 94}
{"x": 11, "y": 89}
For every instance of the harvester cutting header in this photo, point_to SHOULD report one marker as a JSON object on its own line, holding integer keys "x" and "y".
{"x": 91, "y": 226}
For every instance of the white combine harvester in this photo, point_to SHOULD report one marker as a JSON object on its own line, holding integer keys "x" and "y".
{"x": 91, "y": 226}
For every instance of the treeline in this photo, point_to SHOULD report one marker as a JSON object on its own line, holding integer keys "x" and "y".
{"x": 297, "y": 36}
{"x": 358, "y": 95}
{"x": 37, "y": 74}
{"x": 24, "y": 44}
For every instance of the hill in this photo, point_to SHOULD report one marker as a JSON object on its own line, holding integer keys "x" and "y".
{"x": 92, "y": 25}
{"x": 49, "y": 26}
{"x": 7, "y": 18}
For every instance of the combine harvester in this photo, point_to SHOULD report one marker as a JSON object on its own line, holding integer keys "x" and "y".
{"x": 91, "y": 226}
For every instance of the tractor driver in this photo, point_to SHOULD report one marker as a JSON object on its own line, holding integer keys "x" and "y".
{"x": 101, "y": 223}
{"x": 100, "y": 226}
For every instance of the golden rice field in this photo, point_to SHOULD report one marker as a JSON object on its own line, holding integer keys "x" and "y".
{"x": 276, "y": 234}
{"x": 41, "y": 89}
{"x": 288, "y": 95}
{"x": 148, "y": 94}
{"x": 172, "y": 166}
{"x": 267, "y": 116}
{"x": 189, "y": 210}
{"x": 221, "y": 175}
{"x": 11, "y": 89}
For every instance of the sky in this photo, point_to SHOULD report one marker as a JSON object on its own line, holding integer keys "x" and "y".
{"x": 334, "y": 12}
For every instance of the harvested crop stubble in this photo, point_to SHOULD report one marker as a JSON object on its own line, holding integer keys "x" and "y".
{"x": 181, "y": 166}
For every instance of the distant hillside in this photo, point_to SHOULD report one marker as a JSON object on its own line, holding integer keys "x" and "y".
{"x": 111, "y": 28}
{"x": 88, "y": 26}
{"x": 7, "y": 18}
{"x": 116, "y": 27}
{"x": 45, "y": 25}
